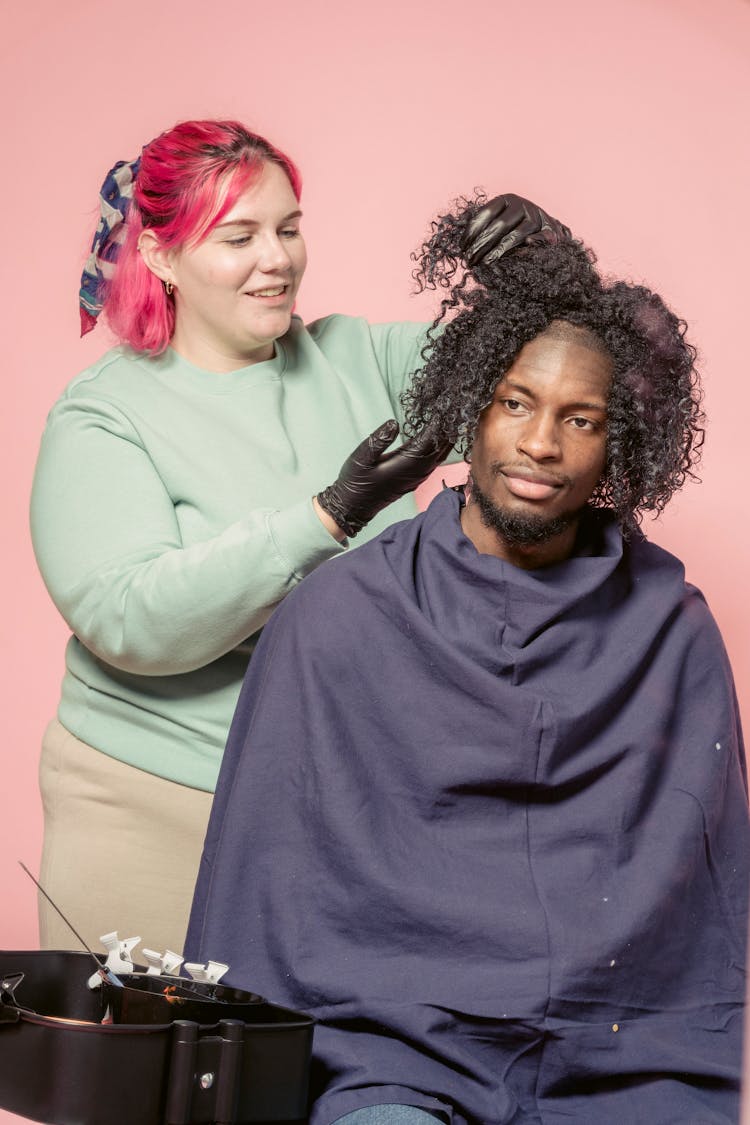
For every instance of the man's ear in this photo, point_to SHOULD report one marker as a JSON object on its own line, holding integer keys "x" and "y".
{"x": 156, "y": 257}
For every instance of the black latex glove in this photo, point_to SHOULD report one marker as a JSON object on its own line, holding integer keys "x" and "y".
{"x": 370, "y": 478}
{"x": 505, "y": 222}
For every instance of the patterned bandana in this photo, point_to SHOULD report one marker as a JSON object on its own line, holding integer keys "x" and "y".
{"x": 115, "y": 198}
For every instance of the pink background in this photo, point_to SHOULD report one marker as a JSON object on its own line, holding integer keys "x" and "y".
{"x": 627, "y": 119}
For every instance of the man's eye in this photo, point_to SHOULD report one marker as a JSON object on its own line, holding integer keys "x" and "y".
{"x": 512, "y": 404}
{"x": 583, "y": 423}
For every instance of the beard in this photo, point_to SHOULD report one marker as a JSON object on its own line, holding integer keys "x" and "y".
{"x": 520, "y": 530}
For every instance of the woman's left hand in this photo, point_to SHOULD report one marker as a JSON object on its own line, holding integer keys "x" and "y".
{"x": 504, "y": 223}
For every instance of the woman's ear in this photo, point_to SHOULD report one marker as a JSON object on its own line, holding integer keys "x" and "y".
{"x": 156, "y": 257}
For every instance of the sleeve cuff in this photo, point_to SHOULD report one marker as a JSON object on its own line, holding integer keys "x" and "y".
{"x": 300, "y": 538}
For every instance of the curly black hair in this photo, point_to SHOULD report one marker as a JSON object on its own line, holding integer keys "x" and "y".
{"x": 654, "y": 418}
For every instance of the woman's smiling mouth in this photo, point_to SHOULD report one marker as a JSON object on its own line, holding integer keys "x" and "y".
{"x": 271, "y": 291}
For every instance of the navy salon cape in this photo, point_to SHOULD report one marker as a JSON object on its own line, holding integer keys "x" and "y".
{"x": 490, "y": 827}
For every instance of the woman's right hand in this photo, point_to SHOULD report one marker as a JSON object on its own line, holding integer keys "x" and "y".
{"x": 371, "y": 479}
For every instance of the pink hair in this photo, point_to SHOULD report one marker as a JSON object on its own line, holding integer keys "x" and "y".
{"x": 189, "y": 177}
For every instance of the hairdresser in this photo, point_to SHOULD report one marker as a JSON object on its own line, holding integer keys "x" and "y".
{"x": 187, "y": 481}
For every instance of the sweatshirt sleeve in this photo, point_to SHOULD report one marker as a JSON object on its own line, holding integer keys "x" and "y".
{"x": 398, "y": 349}
{"x": 108, "y": 544}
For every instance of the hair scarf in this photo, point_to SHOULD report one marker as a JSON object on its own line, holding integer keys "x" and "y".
{"x": 115, "y": 198}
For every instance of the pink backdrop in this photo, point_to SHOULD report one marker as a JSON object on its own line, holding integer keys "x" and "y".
{"x": 627, "y": 119}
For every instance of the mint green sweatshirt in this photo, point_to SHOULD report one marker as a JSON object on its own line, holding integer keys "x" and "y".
{"x": 172, "y": 510}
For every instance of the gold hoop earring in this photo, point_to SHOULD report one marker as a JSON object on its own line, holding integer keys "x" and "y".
{"x": 169, "y": 288}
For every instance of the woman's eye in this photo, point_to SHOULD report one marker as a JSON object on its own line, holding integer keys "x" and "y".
{"x": 292, "y": 232}
{"x": 583, "y": 423}
{"x": 241, "y": 240}
{"x": 512, "y": 404}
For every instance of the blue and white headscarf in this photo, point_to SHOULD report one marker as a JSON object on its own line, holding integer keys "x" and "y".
{"x": 115, "y": 197}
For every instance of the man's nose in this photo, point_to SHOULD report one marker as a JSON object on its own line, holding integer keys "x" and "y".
{"x": 540, "y": 439}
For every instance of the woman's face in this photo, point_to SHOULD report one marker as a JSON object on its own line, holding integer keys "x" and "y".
{"x": 235, "y": 291}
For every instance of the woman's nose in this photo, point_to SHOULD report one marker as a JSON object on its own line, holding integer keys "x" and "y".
{"x": 274, "y": 255}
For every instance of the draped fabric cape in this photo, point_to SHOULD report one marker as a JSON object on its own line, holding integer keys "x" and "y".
{"x": 490, "y": 827}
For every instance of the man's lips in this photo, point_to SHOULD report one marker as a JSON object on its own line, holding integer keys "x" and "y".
{"x": 530, "y": 486}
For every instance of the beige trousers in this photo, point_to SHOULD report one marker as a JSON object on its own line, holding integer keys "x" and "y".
{"x": 121, "y": 848}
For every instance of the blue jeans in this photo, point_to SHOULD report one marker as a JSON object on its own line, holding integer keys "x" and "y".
{"x": 387, "y": 1115}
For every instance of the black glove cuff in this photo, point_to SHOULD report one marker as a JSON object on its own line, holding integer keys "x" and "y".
{"x": 329, "y": 501}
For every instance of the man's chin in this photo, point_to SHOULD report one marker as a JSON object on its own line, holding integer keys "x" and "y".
{"x": 518, "y": 528}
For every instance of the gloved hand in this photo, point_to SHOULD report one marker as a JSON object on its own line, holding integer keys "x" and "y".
{"x": 370, "y": 478}
{"x": 505, "y": 222}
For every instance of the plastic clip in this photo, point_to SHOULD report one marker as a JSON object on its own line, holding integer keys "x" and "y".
{"x": 9, "y": 1006}
{"x": 119, "y": 956}
{"x": 208, "y": 974}
{"x": 158, "y": 963}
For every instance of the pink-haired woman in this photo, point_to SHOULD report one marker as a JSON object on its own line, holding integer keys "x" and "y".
{"x": 181, "y": 492}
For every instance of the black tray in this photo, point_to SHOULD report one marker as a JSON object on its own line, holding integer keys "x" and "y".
{"x": 164, "y": 999}
{"x": 59, "y": 1064}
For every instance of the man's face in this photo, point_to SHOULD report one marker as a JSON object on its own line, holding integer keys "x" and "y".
{"x": 540, "y": 448}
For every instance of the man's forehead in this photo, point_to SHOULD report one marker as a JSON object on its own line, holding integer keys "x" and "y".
{"x": 568, "y": 357}
{"x": 566, "y": 332}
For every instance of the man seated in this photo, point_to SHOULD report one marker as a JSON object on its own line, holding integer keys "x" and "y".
{"x": 483, "y": 808}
